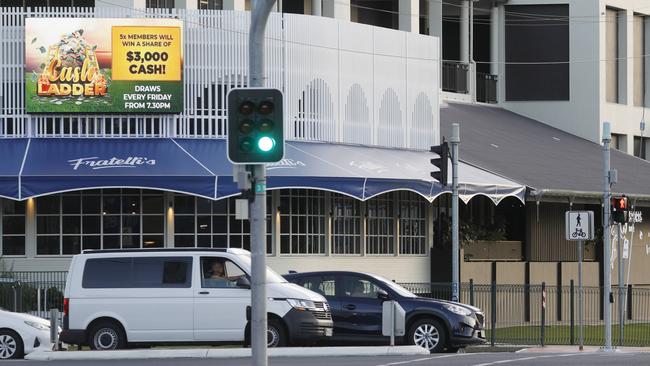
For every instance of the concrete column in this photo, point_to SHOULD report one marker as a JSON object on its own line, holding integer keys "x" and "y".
{"x": 435, "y": 19}
{"x": 169, "y": 219}
{"x": 186, "y": 4}
{"x": 317, "y": 7}
{"x": 338, "y": 9}
{"x": 239, "y": 5}
{"x": 464, "y": 31}
{"x": 30, "y": 228}
{"x": 495, "y": 15}
{"x": 409, "y": 15}
{"x": 646, "y": 73}
{"x": 624, "y": 24}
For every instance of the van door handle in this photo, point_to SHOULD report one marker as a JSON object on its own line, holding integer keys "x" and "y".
{"x": 350, "y": 306}
{"x": 204, "y": 293}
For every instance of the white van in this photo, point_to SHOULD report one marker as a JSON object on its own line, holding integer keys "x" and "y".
{"x": 114, "y": 298}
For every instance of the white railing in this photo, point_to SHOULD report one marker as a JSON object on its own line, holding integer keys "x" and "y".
{"x": 343, "y": 82}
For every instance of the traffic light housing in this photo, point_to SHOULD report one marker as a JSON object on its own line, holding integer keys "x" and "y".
{"x": 441, "y": 162}
{"x": 255, "y": 126}
{"x": 620, "y": 209}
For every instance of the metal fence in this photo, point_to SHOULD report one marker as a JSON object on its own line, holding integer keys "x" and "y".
{"x": 455, "y": 77}
{"x": 32, "y": 292}
{"x": 486, "y": 88}
{"x": 515, "y": 314}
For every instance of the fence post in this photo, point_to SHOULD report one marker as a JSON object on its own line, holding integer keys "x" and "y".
{"x": 572, "y": 312}
{"x": 18, "y": 298}
{"x": 543, "y": 312}
{"x": 493, "y": 311}
{"x": 471, "y": 291}
{"x": 629, "y": 302}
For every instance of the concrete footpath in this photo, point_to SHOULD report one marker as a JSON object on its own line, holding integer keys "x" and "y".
{"x": 210, "y": 353}
{"x": 587, "y": 349}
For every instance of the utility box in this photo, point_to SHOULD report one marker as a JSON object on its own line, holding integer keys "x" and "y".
{"x": 393, "y": 321}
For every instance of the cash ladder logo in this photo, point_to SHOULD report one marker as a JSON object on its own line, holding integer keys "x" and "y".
{"x": 71, "y": 69}
{"x": 96, "y": 163}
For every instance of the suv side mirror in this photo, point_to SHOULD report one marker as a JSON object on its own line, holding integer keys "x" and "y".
{"x": 382, "y": 295}
{"x": 243, "y": 282}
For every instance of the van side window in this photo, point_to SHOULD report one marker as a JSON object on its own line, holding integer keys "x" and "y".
{"x": 138, "y": 272}
{"x": 219, "y": 272}
{"x": 107, "y": 273}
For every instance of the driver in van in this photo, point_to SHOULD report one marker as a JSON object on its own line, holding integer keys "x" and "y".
{"x": 216, "y": 275}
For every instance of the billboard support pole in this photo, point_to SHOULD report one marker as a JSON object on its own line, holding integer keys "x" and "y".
{"x": 261, "y": 9}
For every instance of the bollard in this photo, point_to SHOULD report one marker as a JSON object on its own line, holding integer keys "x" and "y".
{"x": 54, "y": 329}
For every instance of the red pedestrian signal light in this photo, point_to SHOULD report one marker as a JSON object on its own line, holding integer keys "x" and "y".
{"x": 619, "y": 209}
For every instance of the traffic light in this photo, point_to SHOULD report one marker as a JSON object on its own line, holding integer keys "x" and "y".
{"x": 440, "y": 162}
{"x": 255, "y": 126}
{"x": 619, "y": 209}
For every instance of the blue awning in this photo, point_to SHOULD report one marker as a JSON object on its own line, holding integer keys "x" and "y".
{"x": 60, "y": 165}
{"x": 200, "y": 167}
{"x": 12, "y": 152}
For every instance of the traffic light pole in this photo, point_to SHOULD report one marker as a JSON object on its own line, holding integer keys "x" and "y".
{"x": 607, "y": 251}
{"x": 259, "y": 16}
{"x": 455, "y": 248}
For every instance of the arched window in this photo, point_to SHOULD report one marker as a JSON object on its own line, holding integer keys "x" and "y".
{"x": 356, "y": 127}
{"x": 315, "y": 119}
{"x": 391, "y": 131}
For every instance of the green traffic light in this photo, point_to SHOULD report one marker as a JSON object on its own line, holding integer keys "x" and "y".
{"x": 265, "y": 143}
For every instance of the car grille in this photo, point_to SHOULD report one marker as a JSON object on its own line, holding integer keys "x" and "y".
{"x": 481, "y": 318}
{"x": 322, "y": 310}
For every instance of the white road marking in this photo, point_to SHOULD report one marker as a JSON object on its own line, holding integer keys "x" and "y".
{"x": 420, "y": 359}
{"x": 526, "y": 359}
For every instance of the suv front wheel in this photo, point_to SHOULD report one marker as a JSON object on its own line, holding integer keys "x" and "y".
{"x": 428, "y": 334}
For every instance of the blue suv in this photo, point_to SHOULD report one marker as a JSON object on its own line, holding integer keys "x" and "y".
{"x": 355, "y": 300}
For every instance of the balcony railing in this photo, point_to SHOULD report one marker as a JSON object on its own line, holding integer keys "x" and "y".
{"x": 486, "y": 88}
{"x": 455, "y": 77}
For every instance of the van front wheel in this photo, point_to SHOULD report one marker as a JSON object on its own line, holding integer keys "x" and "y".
{"x": 276, "y": 335}
{"x": 107, "y": 336}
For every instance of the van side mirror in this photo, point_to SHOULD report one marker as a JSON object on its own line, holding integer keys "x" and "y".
{"x": 382, "y": 295}
{"x": 243, "y": 282}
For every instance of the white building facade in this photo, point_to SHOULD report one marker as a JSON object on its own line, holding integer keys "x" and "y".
{"x": 346, "y": 84}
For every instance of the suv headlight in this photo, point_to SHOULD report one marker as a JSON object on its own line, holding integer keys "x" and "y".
{"x": 38, "y": 326}
{"x": 302, "y": 305}
{"x": 457, "y": 309}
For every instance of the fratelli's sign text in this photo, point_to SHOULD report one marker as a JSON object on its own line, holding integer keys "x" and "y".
{"x": 95, "y": 162}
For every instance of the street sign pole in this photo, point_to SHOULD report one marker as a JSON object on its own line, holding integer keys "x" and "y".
{"x": 455, "y": 248}
{"x": 607, "y": 251}
{"x": 580, "y": 227}
{"x": 259, "y": 16}
{"x": 580, "y": 298}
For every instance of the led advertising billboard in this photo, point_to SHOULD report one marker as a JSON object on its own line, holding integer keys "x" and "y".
{"x": 86, "y": 65}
